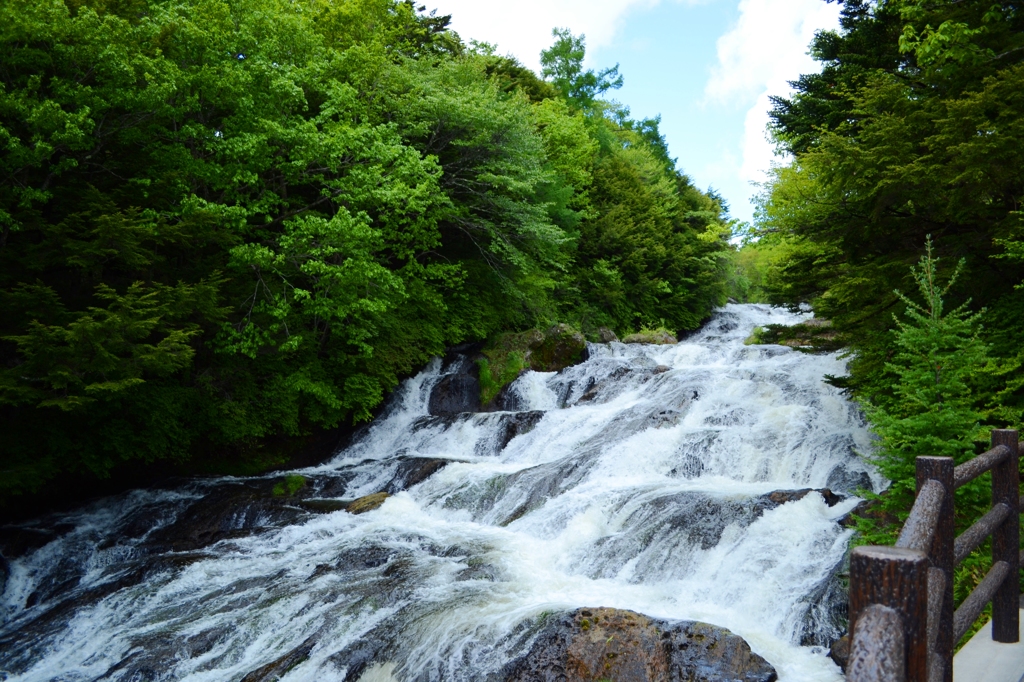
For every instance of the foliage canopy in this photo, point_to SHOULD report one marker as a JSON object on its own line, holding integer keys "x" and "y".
{"x": 230, "y": 220}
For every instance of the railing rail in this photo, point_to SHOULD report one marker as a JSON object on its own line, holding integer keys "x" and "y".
{"x": 902, "y": 624}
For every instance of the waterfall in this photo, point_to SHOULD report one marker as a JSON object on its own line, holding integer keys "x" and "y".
{"x": 640, "y": 479}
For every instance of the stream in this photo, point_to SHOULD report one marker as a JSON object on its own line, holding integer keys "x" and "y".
{"x": 640, "y": 479}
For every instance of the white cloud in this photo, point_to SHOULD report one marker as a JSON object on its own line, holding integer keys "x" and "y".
{"x": 767, "y": 47}
{"x": 523, "y": 28}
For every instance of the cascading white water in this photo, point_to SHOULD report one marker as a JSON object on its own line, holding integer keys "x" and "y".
{"x": 636, "y": 480}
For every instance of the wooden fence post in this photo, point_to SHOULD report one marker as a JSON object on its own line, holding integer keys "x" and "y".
{"x": 1006, "y": 539}
{"x": 896, "y": 578}
{"x": 941, "y": 557}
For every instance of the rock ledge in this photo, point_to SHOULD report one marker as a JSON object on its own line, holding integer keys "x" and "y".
{"x": 592, "y": 644}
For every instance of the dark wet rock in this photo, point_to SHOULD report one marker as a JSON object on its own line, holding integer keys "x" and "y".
{"x": 541, "y": 483}
{"x": 443, "y": 422}
{"x": 17, "y": 541}
{"x": 322, "y": 506}
{"x": 457, "y": 357}
{"x": 455, "y": 393}
{"x": 413, "y": 471}
{"x": 204, "y": 642}
{"x": 478, "y": 571}
{"x": 685, "y": 519}
{"x": 594, "y": 388}
{"x": 871, "y": 509}
{"x": 152, "y": 657}
{"x": 722, "y": 324}
{"x": 275, "y": 670}
{"x": 330, "y": 486}
{"x": 702, "y": 517}
{"x": 23, "y": 646}
{"x": 783, "y": 496}
{"x": 840, "y": 652}
{"x": 516, "y": 424}
{"x": 827, "y": 613}
{"x": 49, "y": 588}
{"x": 700, "y": 651}
{"x": 356, "y": 658}
{"x": 361, "y": 559}
{"x": 135, "y": 666}
{"x": 843, "y": 480}
{"x": 508, "y": 399}
{"x": 668, "y": 417}
{"x": 612, "y": 644}
{"x": 366, "y": 503}
{"x": 606, "y": 335}
{"x": 228, "y": 512}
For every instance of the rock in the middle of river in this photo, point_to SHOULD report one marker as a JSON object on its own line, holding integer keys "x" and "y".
{"x": 588, "y": 645}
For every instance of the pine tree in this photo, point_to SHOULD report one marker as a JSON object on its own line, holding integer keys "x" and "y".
{"x": 938, "y": 360}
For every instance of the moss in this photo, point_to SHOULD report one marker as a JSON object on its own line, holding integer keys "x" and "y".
{"x": 815, "y": 336}
{"x": 657, "y": 335}
{"x": 497, "y": 370}
{"x": 367, "y": 503}
{"x": 755, "y": 337}
{"x": 507, "y": 355}
{"x": 560, "y": 347}
{"x": 289, "y": 486}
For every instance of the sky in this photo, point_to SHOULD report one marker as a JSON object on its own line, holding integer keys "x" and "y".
{"x": 707, "y": 67}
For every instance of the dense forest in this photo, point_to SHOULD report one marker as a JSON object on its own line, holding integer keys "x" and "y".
{"x": 231, "y": 221}
{"x": 899, "y": 220}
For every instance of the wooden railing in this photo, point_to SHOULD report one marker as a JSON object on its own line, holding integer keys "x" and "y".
{"x": 902, "y": 624}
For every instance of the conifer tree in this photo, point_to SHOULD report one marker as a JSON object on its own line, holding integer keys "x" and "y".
{"x": 938, "y": 360}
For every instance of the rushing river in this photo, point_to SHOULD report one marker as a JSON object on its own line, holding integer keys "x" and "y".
{"x": 638, "y": 479}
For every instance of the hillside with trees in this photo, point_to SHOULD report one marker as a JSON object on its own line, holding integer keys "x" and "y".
{"x": 230, "y": 222}
{"x": 899, "y": 220}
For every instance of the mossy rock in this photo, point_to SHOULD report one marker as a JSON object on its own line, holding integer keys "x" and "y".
{"x": 289, "y": 486}
{"x": 658, "y": 337}
{"x": 815, "y": 336}
{"x": 508, "y": 355}
{"x": 366, "y": 503}
{"x": 561, "y": 346}
{"x": 612, "y": 644}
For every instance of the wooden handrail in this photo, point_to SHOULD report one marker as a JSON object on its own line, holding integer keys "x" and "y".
{"x": 971, "y": 539}
{"x": 920, "y": 527}
{"x": 972, "y": 468}
{"x": 904, "y": 594}
{"x": 972, "y": 607}
{"x": 878, "y": 651}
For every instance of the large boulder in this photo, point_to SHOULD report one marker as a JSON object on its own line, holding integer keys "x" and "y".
{"x": 455, "y": 393}
{"x": 229, "y": 511}
{"x": 561, "y": 346}
{"x": 588, "y": 645}
{"x": 413, "y": 471}
{"x": 460, "y": 389}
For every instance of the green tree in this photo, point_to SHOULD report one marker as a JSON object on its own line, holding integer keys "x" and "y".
{"x": 562, "y": 63}
{"x": 228, "y": 222}
{"x": 935, "y": 407}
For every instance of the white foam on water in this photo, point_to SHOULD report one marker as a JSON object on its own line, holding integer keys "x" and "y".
{"x": 633, "y": 490}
